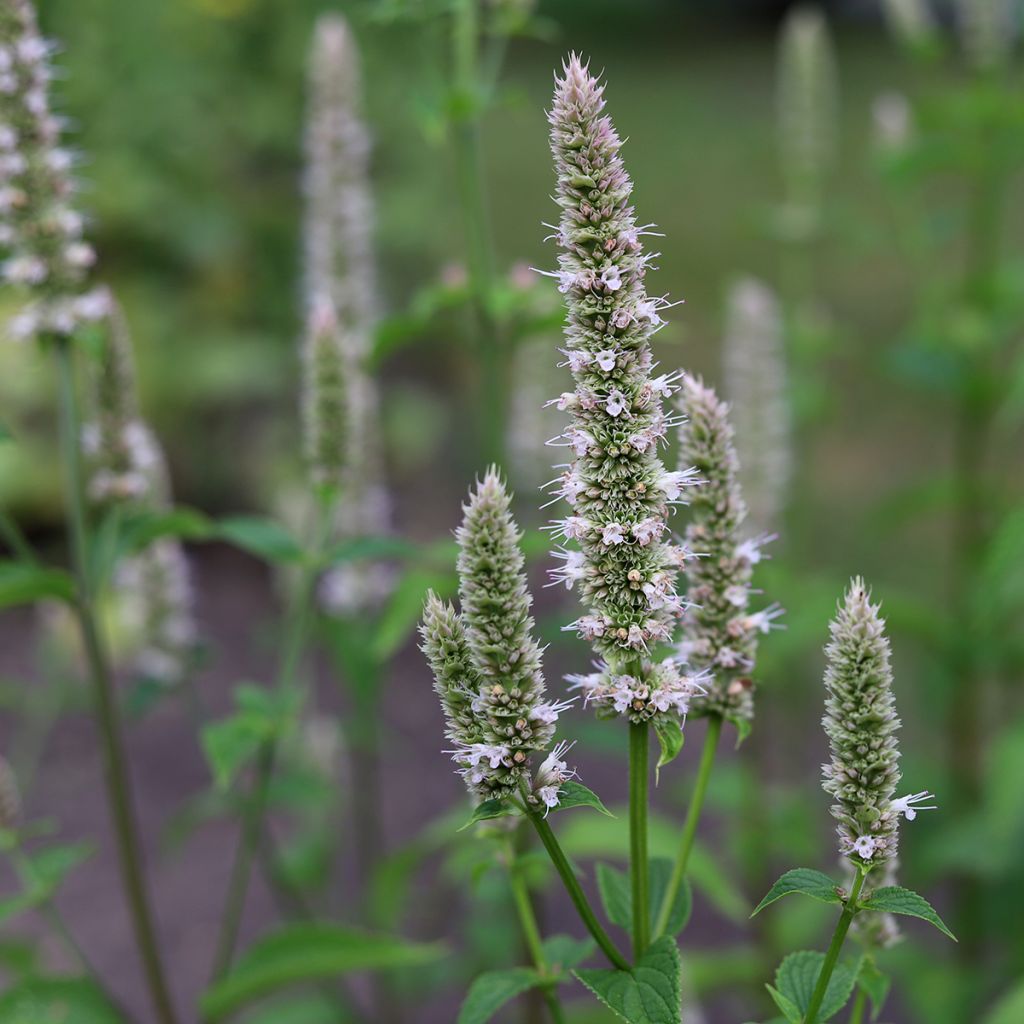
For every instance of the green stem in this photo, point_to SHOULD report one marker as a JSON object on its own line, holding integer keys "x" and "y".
{"x": 576, "y": 893}
{"x": 116, "y": 772}
{"x": 639, "y": 741}
{"x": 255, "y": 809}
{"x": 476, "y": 221}
{"x": 531, "y": 935}
{"x": 834, "y": 949}
{"x": 860, "y": 1004}
{"x": 707, "y": 759}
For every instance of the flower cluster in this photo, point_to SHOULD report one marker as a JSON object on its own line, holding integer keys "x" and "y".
{"x": 756, "y": 386}
{"x": 616, "y": 483}
{"x": 340, "y": 402}
{"x": 127, "y": 467}
{"x": 806, "y": 112}
{"x": 720, "y": 631}
{"x": 861, "y": 724}
{"x": 487, "y": 664}
{"x": 663, "y": 689}
{"x": 40, "y": 230}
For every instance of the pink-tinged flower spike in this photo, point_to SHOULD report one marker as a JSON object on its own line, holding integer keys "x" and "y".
{"x": 720, "y": 632}
{"x": 616, "y": 483}
{"x": 861, "y": 724}
{"x": 757, "y": 389}
{"x": 40, "y": 230}
{"x": 487, "y": 664}
{"x": 340, "y": 399}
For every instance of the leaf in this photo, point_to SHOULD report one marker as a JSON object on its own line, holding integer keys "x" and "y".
{"x": 647, "y": 994}
{"x": 362, "y": 548}
{"x": 261, "y": 537}
{"x": 141, "y": 528}
{"x": 297, "y": 954}
{"x": 875, "y": 985}
{"x": 563, "y": 952}
{"x": 617, "y": 895}
{"x": 50, "y": 866}
{"x": 404, "y": 609}
{"x": 575, "y": 794}
{"x": 57, "y": 1001}
{"x": 894, "y": 899}
{"x": 805, "y": 881}
{"x": 489, "y": 810}
{"x": 670, "y": 739}
{"x": 797, "y": 978}
{"x": 1010, "y": 1008}
{"x": 230, "y": 743}
{"x": 787, "y": 1006}
{"x": 492, "y": 990}
{"x": 21, "y": 583}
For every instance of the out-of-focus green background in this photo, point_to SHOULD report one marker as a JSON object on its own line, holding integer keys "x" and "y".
{"x": 190, "y": 116}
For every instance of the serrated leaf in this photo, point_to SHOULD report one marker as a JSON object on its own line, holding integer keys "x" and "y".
{"x": 57, "y": 1001}
{"x": 797, "y": 978}
{"x": 563, "y": 952}
{"x": 490, "y": 809}
{"x": 894, "y": 899}
{"x": 805, "y": 881}
{"x": 261, "y": 537}
{"x": 575, "y": 794}
{"x": 647, "y": 994}
{"x": 23, "y": 583}
{"x": 670, "y": 740}
{"x": 875, "y": 985}
{"x": 492, "y": 990}
{"x": 617, "y": 895}
{"x": 789, "y": 1009}
{"x": 298, "y": 954}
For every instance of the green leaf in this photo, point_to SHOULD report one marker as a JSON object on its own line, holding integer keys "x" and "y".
{"x": 798, "y": 975}
{"x": 49, "y": 867}
{"x": 21, "y": 583}
{"x": 805, "y": 881}
{"x": 617, "y": 895}
{"x": 789, "y": 1009}
{"x": 875, "y": 985}
{"x": 312, "y": 1008}
{"x": 298, "y": 954}
{"x": 141, "y": 528}
{"x": 490, "y": 809}
{"x": 647, "y": 994}
{"x": 404, "y": 609}
{"x": 670, "y": 739}
{"x": 575, "y": 794}
{"x": 492, "y": 990}
{"x": 231, "y": 743}
{"x": 1010, "y": 1008}
{"x": 362, "y": 548}
{"x": 262, "y": 537}
{"x": 894, "y": 899}
{"x": 563, "y": 952}
{"x": 57, "y": 1001}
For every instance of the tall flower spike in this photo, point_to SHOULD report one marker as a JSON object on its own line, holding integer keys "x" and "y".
{"x": 40, "y": 230}
{"x": 616, "y": 483}
{"x": 861, "y": 724}
{"x": 806, "y": 110}
{"x": 757, "y": 388}
{"x": 912, "y": 23}
{"x": 340, "y": 401}
{"x": 127, "y": 467}
{"x": 720, "y": 632}
{"x": 487, "y": 664}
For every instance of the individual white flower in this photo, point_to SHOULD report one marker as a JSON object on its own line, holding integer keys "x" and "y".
{"x": 908, "y": 806}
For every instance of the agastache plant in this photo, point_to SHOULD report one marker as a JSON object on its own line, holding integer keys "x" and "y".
{"x": 41, "y": 231}
{"x": 861, "y": 724}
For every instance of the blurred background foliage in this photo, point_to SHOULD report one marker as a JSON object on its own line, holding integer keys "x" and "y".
{"x": 191, "y": 116}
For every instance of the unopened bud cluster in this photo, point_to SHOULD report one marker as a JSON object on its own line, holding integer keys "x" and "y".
{"x": 487, "y": 664}
{"x": 861, "y": 724}
{"x": 720, "y": 631}
{"x": 619, "y": 489}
